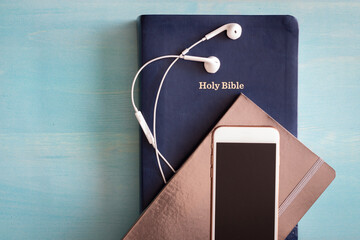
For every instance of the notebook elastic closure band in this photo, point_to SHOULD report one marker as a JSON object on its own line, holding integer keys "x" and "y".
{"x": 299, "y": 187}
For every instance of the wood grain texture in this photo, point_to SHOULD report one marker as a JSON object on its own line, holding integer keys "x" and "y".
{"x": 69, "y": 166}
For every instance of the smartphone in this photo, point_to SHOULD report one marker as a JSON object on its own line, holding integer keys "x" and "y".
{"x": 245, "y": 183}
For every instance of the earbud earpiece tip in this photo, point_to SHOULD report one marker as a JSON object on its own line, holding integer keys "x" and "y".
{"x": 213, "y": 66}
{"x": 234, "y": 31}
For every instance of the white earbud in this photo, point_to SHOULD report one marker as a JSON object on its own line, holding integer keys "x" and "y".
{"x": 211, "y": 64}
{"x": 233, "y": 31}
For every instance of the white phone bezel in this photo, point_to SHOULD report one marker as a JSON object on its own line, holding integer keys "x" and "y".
{"x": 239, "y": 134}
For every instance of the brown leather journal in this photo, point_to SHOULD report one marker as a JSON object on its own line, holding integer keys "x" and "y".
{"x": 182, "y": 209}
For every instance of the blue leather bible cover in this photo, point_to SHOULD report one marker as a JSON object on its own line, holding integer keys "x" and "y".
{"x": 264, "y": 60}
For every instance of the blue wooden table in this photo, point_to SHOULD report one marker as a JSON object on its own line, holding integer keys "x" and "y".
{"x": 69, "y": 166}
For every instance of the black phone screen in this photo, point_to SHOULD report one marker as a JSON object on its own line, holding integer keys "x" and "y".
{"x": 245, "y": 191}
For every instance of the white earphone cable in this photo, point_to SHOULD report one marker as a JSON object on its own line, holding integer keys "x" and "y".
{"x": 233, "y": 31}
{"x": 154, "y": 115}
{"x": 136, "y": 110}
{"x": 157, "y": 99}
{"x": 154, "y": 144}
{"x": 138, "y": 72}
